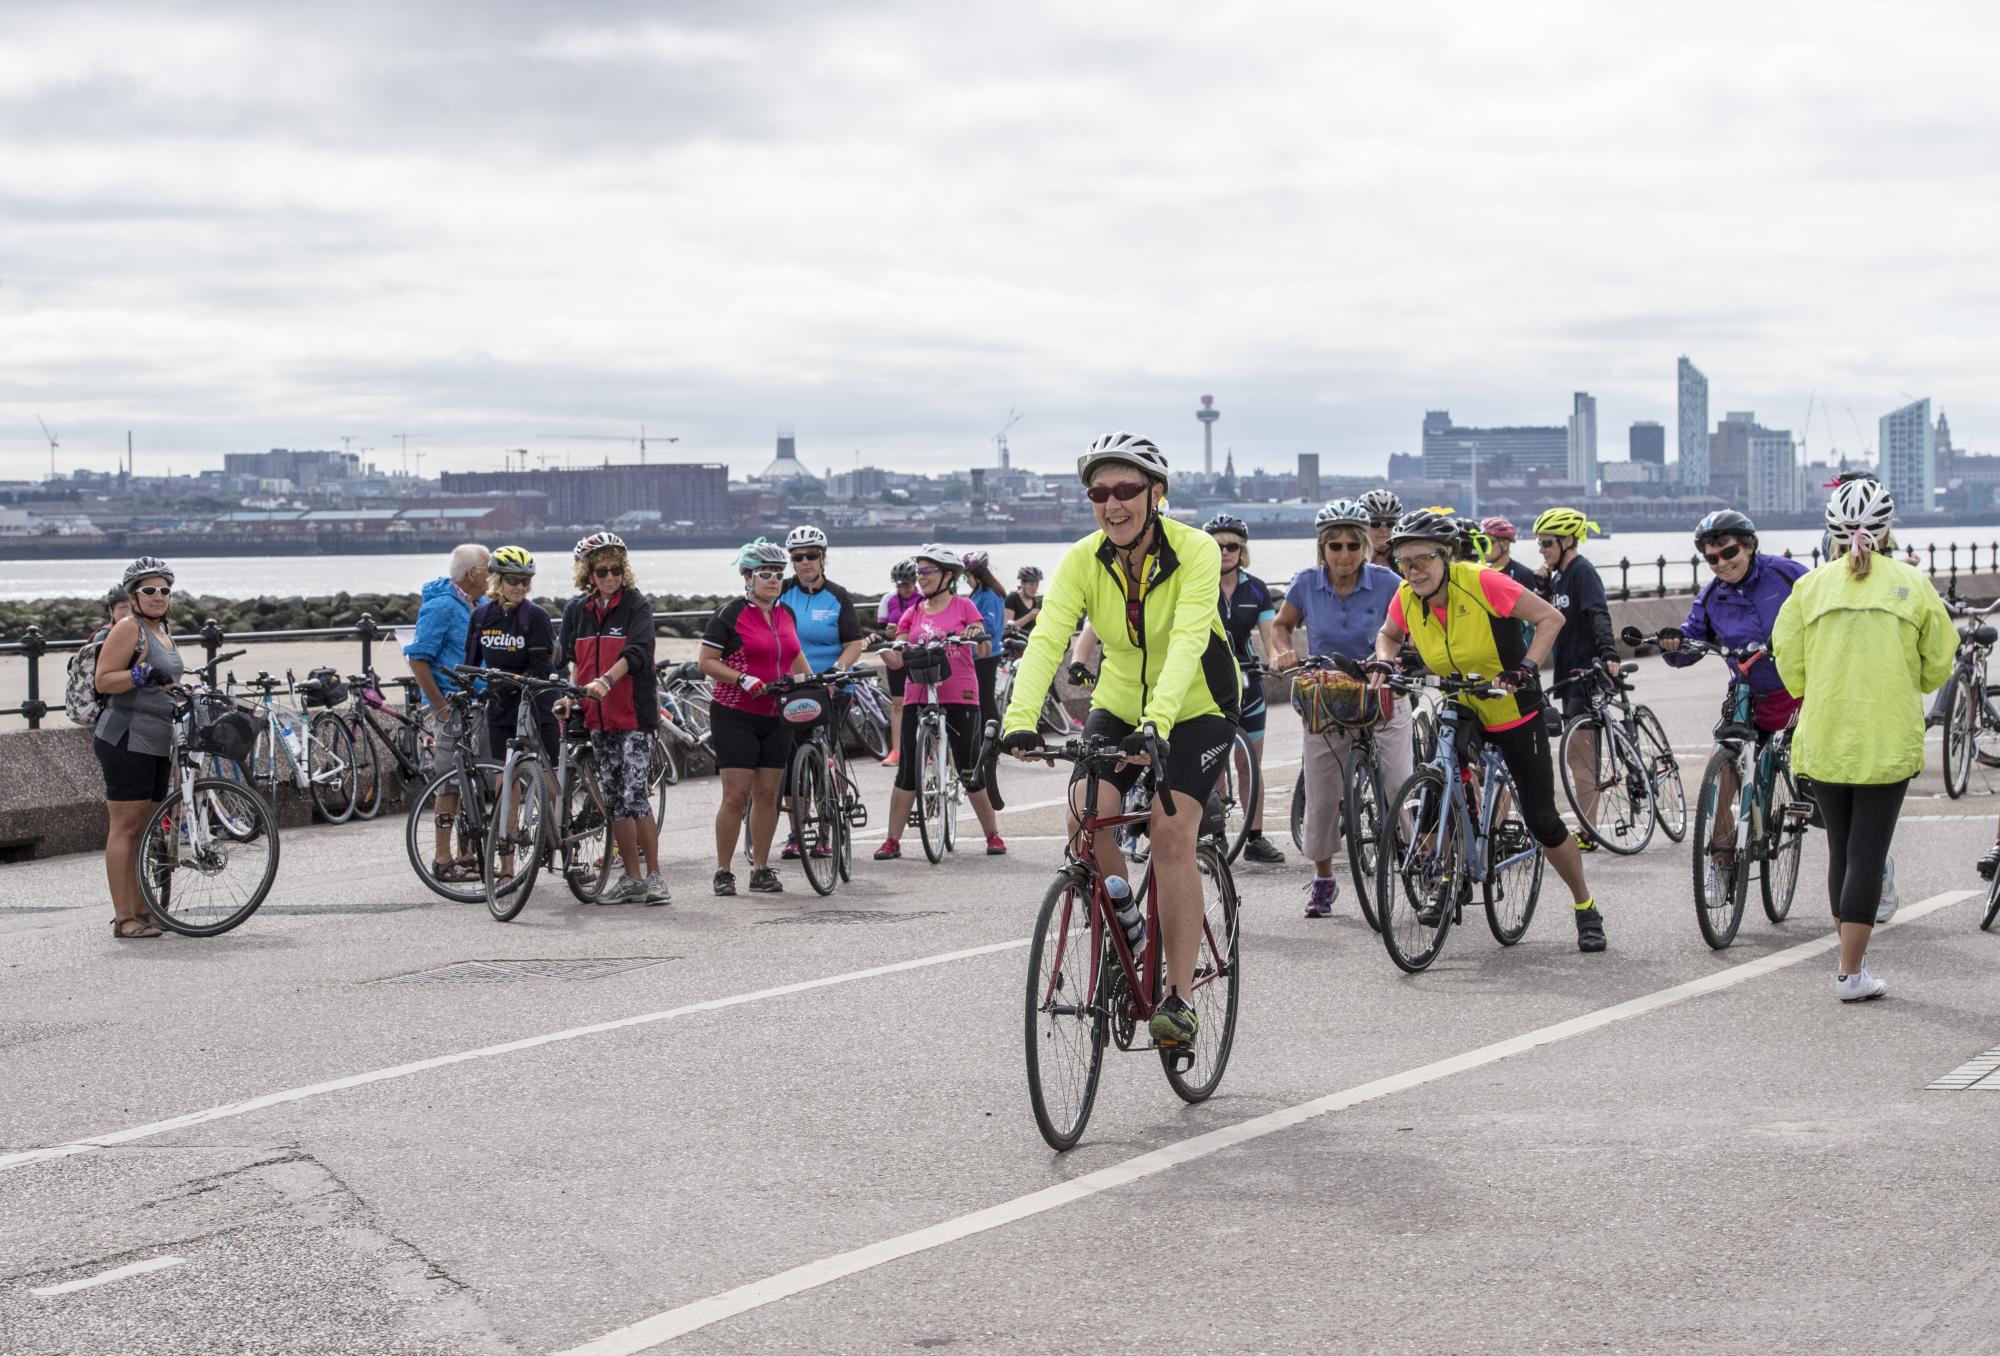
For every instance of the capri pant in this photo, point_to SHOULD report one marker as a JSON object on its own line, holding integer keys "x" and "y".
{"x": 624, "y": 771}
{"x": 1525, "y": 751}
{"x": 1860, "y": 822}
{"x": 961, "y": 725}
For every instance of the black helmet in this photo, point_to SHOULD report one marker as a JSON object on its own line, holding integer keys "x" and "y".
{"x": 1227, "y": 522}
{"x": 1724, "y": 523}
{"x": 1424, "y": 525}
{"x": 903, "y": 572}
{"x": 146, "y": 567}
{"x": 113, "y": 598}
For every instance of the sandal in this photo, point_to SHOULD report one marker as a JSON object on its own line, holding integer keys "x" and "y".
{"x": 457, "y": 873}
{"x": 125, "y": 929}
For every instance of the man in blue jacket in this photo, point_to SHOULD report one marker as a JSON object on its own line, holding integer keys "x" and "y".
{"x": 437, "y": 645}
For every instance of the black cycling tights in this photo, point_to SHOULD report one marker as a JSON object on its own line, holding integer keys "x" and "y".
{"x": 1860, "y": 821}
{"x": 1525, "y": 750}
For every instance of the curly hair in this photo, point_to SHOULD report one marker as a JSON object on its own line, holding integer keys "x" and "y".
{"x": 581, "y": 574}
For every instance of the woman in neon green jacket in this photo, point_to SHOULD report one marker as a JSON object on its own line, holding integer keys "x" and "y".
{"x": 1861, "y": 639}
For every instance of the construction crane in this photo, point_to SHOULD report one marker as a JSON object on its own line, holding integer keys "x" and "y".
{"x": 639, "y": 441}
{"x": 52, "y": 445}
{"x": 1000, "y": 438}
{"x": 1805, "y": 429}
{"x": 404, "y": 439}
{"x": 1867, "y": 448}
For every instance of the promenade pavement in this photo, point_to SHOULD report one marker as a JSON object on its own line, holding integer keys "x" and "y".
{"x": 801, "y": 1124}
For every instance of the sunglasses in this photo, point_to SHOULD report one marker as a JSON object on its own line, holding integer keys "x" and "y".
{"x": 1342, "y": 546}
{"x": 1230, "y": 545}
{"x": 154, "y": 591}
{"x": 509, "y": 581}
{"x": 607, "y": 571}
{"x": 1124, "y": 493}
{"x": 767, "y": 575}
{"x": 798, "y": 556}
{"x": 1729, "y": 552}
{"x": 926, "y": 571}
{"x": 1421, "y": 561}
{"x": 1381, "y": 522}
{"x": 1549, "y": 543}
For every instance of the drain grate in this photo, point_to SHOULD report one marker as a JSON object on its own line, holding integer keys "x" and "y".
{"x": 493, "y": 971}
{"x": 1981, "y": 1074}
{"x": 853, "y": 916}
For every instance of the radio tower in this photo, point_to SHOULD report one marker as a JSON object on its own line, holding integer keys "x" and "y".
{"x": 1208, "y": 414}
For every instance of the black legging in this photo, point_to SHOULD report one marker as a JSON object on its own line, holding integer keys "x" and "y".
{"x": 1860, "y": 822}
{"x": 988, "y": 672}
{"x": 1525, "y": 751}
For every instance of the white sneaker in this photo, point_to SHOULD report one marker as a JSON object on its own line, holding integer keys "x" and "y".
{"x": 624, "y": 890}
{"x": 1891, "y": 899}
{"x": 1859, "y": 987}
{"x": 656, "y": 889}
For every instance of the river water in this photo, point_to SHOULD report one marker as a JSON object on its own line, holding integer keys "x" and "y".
{"x": 864, "y": 569}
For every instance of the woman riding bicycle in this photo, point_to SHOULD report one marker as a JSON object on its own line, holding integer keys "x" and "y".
{"x": 1248, "y": 609}
{"x": 829, "y": 628}
{"x": 942, "y": 613}
{"x": 1463, "y": 620}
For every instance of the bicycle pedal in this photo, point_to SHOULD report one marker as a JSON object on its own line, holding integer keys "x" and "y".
{"x": 1182, "y": 1055}
{"x": 857, "y": 816}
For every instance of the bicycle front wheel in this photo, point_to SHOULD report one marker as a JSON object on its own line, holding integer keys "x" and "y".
{"x": 514, "y": 845}
{"x": 1364, "y": 831}
{"x": 1721, "y": 876}
{"x": 196, "y": 876}
{"x": 1785, "y": 844}
{"x": 217, "y": 768}
{"x": 1420, "y": 873}
{"x": 586, "y": 834}
{"x": 1066, "y": 1024}
{"x": 813, "y": 818}
{"x": 1670, "y": 803}
{"x": 930, "y": 791}
{"x": 1216, "y": 992}
{"x": 330, "y": 767}
{"x": 1959, "y": 722}
{"x": 1622, "y": 818}
{"x": 442, "y": 839}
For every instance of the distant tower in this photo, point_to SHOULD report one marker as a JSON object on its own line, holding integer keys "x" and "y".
{"x": 1208, "y": 414}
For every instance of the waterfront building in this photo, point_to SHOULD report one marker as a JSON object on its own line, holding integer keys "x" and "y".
{"x": 696, "y": 493}
{"x": 303, "y": 470}
{"x": 1909, "y": 457}
{"x": 1633, "y": 472}
{"x": 1582, "y": 446}
{"x": 786, "y": 465}
{"x": 1450, "y": 451}
{"x": 1775, "y": 483}
{"x": 1691, "y": 431}
{"x": 1729, "y": 454}
{"x": 1309, "y": 476}
{"x": 1647, "y": 442}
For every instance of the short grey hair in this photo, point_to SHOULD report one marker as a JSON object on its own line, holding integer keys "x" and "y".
{"x": 467, "y": 558}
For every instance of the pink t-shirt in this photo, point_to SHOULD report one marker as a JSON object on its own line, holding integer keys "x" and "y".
{"x": 961, "y": 685}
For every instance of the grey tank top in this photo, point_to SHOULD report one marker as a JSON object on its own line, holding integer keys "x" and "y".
{"x": 146, "y": 714}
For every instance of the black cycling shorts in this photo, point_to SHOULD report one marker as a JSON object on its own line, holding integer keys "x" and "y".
{"x": 896, "y": 680}
{"x": 1195, "y": 752}
{"x": 742, "y": 740}
{"x": 129, "y": 775}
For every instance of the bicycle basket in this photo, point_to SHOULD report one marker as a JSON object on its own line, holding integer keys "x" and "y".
{"x": 927, "y": 664}
{"x": 804, "y": 709}
{"x": 1331, "y": 702}
{"x": 216, "y": 727}
{"x": 332, "y": 692}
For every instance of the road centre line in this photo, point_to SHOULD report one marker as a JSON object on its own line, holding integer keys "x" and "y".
{"x": 665, "y": 1327}
{"x": 104, "y": 1278}
{"x": 300, "y": 1094}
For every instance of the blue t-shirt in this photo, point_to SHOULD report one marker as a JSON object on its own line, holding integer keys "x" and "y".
{"x": 1343, "y": 626}
{"x": 992, "y": 611}
{"x": 826, "y": 620}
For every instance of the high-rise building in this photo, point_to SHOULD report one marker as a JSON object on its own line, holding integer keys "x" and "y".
{"x": 1309, "y": 476}
{"x": 1647, "y": 442}
{"x": 1772, "y": 470}
{"x": 1729, "y": 454}
{"x": 1909, "y": 458}
{"x": 1691, "y": 429}
{"x": 1449, "y": 451}
{"x": 1583, "y": 441}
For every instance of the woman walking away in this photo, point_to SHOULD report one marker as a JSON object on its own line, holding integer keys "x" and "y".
{"x": 1860, "y": 640}
{"x": 607, "y": 635}
{"x": 750, "y": 643}
{"x": 135, "y": 733}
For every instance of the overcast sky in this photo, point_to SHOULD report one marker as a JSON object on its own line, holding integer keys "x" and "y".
{"x": 883, "y": 225}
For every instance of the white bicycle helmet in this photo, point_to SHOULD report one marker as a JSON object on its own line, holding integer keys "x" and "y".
{"x": 1859, "y": 506}
{"x": 1130, "y": 448}
{"x": 941, "y": 556}
{"x": 1341, "y": 513}
{"x": 805, "y": 536}
{"x": 597, "y": 541}
{"x": 1381, "y": 504}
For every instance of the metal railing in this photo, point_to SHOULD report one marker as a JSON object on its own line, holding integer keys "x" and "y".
{"x": 1937, "y": 561}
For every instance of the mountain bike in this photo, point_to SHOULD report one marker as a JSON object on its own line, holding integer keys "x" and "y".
{"x": 315, "y": 755}
{"x": 403, "y": 738}
{"x": 826, "y": 803}
{"x": 1622, "y": 818}
{"x": 1971, "y": 724}
{"x": 1089, "y": 987}
{"x": 456, "y": 805}
{"x": 208, "y": 855}
{"x": 543, "y": 814}
{"x": 1447, "y": 828}
{"x": 1768, "y": 823}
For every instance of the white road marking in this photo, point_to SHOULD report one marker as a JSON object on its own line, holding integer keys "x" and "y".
{"x": 115, "y": 1274}
{"x": 664, "y": 1327}
{"x": 300, "y": 1094}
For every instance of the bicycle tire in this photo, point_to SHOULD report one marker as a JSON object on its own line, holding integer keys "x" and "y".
{"x": 1423, "y": 737}
{"x": 1216, "y": 993}
{"x": 217, "y": 768}
{"x": 522, "y": 786}
{"x": 870, "y": 724}
{"x": 669, "y": 763}
{"x": 1055, "y": 716}
{"x": 847, "y": 799}
{"x": 176, "y": 900}
{"x": 954, "y": 791}
{"x": 584, "y": 835}
{"x": 1363, "y": 830}
{"x": 1298, "y": 812}
{"x": 1239, "y": 787}
{"x": 1066, "y": 1024}
{"x": 930, "y": 793}
{"x": 1786, "y": 846}
{"x": 1718, "y": 895}
{"x": 1619, "y": 773}
{"x": 330, "y": 767}
{"x": 1670, "y": 806}
{"x": 368, "y": 780}
{"x": 1413, "y": 870}
{"x": 1959, "y": 722}
{"x": 1510, "y": 893}
{"x": 1992, "y": 904}
{"x": 813, "y": 815}
{"x": 419, "y": 817}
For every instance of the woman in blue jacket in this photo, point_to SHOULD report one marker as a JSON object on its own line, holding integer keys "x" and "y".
{"x": 991, "y": 600}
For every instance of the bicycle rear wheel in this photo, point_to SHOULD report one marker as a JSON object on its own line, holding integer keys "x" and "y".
{"x": 814, "y": 818}
{"x": 1066, "y": 1027}
{"x": 514, "y": 846}
{"x": 1420, "y": 873}
{"x": 1719, "y": 885}
{"x": 585, "y": 842}
{"x": 197, "y": 878}
{"x": 1216, "y": 994}
{"x": 1992, "y": 904}
{"x": 217, "y": 768}
{"x": 1960, "y": 720}
{"x": 1623, "y": 819}
{"x": 1239, "y": 787}
{"x": 1785, "y": 842}
{"x": 1670, "y": 805}
{"x": 330, "y": 767}
{"x": 1363, "y": 830}
{"x": 869, "y": 721}
{"x": 954, "y": 793}
{"x": 463, "y": 842}
{"x": 1513, "y": 868}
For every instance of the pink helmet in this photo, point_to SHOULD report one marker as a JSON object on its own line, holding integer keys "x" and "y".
{"x": 1498, "y": 528}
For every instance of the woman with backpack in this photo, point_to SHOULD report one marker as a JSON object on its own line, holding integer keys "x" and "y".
{"x": 135, "y": 733}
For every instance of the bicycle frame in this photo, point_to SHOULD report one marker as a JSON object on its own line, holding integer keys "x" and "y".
{"x": 1475, "y": 822}
{"x": 1756, "y": 774}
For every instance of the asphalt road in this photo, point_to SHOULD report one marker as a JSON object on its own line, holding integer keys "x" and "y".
{"x": 802, "y": 1125}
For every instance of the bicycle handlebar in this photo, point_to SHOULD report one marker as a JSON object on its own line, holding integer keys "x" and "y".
{"x": 1463, "y": 685}
{"x": 1097, "y": 750}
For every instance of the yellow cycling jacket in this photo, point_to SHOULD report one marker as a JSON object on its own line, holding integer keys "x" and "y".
{"x": 1166, "y": 662}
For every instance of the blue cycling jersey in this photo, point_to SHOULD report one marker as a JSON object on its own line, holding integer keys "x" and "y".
{"x": 826, "y": 620}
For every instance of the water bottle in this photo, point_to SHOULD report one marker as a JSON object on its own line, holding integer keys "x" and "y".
{"x": 1131, "y": 918}
{"x": 293, "y": 744}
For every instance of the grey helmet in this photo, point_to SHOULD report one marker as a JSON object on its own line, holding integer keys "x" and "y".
{"x": 146, "y": 567}
{"x": 1381, "y": 504}
{"x": 903, "y": 572}
{"x": 1341, "y": 513}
